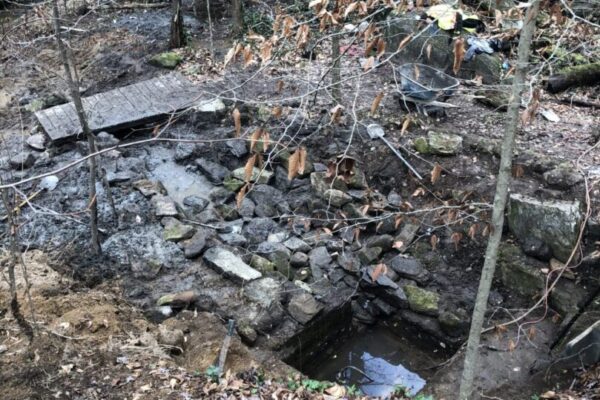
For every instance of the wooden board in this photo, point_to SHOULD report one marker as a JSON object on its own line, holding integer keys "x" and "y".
{"x": 122, "y": 107}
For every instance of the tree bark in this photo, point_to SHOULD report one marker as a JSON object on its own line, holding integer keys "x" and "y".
{"x": 503, "y": 181}
{"x": 336, "y": 70}
{"x": 15, "y": 252}
{"x": 580, "y": 75}
{"x": 238, "y": 17}
{"x": 177, "y": 38}
{"x": 74, "y": 89}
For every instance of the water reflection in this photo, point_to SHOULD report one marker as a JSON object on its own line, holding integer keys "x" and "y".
{"x": 376, "y": 361}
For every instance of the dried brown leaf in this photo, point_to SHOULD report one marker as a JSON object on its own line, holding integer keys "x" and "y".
{"x": 280, "y": 85}
{"x": 434, "y": 241}
{"x": 254, "y": 138}
{"x": 405, "y": 125}
{"x": 237, "y": 121}
{"x": 249, "y": 167}
{"x": 293, "y": 163}
{"x": 336, "y": 113}
{"x": 239, "y": 197}
{"x": 511, "y": 345}
{"x": 302, "y": 159}
{"x": 369, "y": 64}
{"x": 276, "y": 112}
{"x": 376, "y": 102}
{"x": 378, "y": 271}
{"x": 456, "y": 237}
{"x": 459, "y": 54}
{"x": 436, "y": 172}
{"x": 404, "y": 42}
{"x": 380, "y": 47}
{"x": 472, "y": 231}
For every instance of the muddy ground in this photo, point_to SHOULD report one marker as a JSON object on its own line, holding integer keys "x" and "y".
{"x": 109, "y": 301}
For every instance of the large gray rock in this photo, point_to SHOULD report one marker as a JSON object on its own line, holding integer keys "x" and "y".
{"x": 303, "y": 307}
{"x": 518, "y": 273}
{"x": 264, "y": 291}
{"x": 441, "y": 56}
{"x": 231, "y": 265}
{"x": 164, "y": 206}
{"x": 213, "y": 171}
{"x": 586, "y": 346}
{"x": 319, "y": 260}
{"x": 554, "y": 222}
{"x": 258, "y": 229}
{"x": 409, "y": 268}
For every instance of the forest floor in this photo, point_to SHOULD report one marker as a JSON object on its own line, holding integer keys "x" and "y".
{"x": 93, "y": 342}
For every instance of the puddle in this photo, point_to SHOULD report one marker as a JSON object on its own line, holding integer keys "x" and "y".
{"x": 376, "y": 361}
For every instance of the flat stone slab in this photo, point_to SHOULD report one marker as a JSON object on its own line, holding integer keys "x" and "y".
{"x": 231, "y": 265}
{"x": 123, "y": 107}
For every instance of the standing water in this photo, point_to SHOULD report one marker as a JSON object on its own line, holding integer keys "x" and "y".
{"x": 376, "y": 361}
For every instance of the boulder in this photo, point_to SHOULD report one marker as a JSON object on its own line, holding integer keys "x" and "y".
{"x": 264, "y": 291}
{"x": 554, "y": 222}
{"x": 226, "y": 262}
{"x": 259, "y": 176}
{"x": 299, "y": 260}
{"x": 368, "y": 255}
{"x": 216, "y": 173}
{"x": 303, "y": 307}
{"x": 149, "y": 188}
{"x": 443, "y": 144}
{"x": 586, "y": 346}
{"x": 22, "y": 160}
{"x": 164, "y": 206}
{"x": 37, "y": 142}
{"x": 562, "y": 178}
{"x": 193, "y": 247}
{"x": 168, "y": 60}
{"x": 406, "y": 236}
{"x": 422, "y": 301}
{"x": 296, "y": 244}
{"x": 196, "y": 204}
{"x": 409, "y": 268}
{"x": 384, "y": 287}
{"x": 319, "y": 260}
{"x": 519, "y": 273}
{"x": 258, "y": 229}
{"x": 175, "y": 231}
{"x": 261, "y": 264}
{"x": 336, "y": 197}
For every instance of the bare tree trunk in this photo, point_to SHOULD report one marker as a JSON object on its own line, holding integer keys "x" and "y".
{"x": 491, "y": 254}
{"x": 74, "y": 89}
{"x": 14, "y": 250}
{"x": 177, "y": 37}
{"x": 336, "y": 71}
{"x": 238, "y": 17}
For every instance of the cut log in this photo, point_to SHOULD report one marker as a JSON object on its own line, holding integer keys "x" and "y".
{"x": 580, "y": 75}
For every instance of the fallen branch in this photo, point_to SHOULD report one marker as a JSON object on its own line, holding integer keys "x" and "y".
{"x": 580, "y": 75}
{"x": 133, "y": 6}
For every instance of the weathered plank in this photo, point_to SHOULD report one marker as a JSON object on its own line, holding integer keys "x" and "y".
{"x": 123, "y": 107}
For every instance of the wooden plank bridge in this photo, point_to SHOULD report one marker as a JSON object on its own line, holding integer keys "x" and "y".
{"x": 123, "y": 107}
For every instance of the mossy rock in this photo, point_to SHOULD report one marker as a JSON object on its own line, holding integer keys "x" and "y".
{"x": 232, "y": 184}
{"x": 421, "y": 300}
{"x": 421, "y": 145}
{"x": 168, "y": 60}
{"x": 517, "y": 272}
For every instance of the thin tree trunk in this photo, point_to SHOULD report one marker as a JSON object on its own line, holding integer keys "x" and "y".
{"x": 14, "y": 250}
{"x": 74, "y": 89}
{"x": 177, "y": 37}
{"x": 238, "y": 17}
{"x": 336, "y": 71}
{"x": 491, "y": 254}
